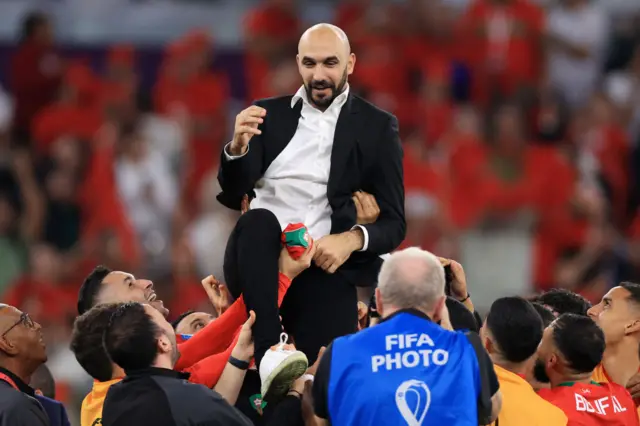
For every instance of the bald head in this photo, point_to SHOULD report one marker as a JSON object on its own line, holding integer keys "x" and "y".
{"x": 325, "y": 34}
{"x": 325, "y": 61}
{"x": 412, "y": 278}
{"x": 22, "y": 347}
{"x": 8, "y": 315}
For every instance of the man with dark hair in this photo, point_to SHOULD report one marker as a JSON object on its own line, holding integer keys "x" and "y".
{"x": 511, "y": 334}
{"x": 103, "y": 285}
{"x": 133, "y": 339}
{"x": 86, "y": 344}
{"x": 86, "y": 341}
{"x": 22, "y": 351}
{"x": 139, "y": 339}
{"x": 618, "y": 315}
{"x": 571, "y": 348}
{"x": 191, "y": 322}
{"x": 562, "y": 301}
{"x": 545, "y": 313}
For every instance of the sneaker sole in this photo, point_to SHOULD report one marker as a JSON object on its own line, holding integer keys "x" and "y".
{"x": 280, "y": 380}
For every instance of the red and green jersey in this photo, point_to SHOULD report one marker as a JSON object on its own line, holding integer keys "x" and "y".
{"x": 593, "y": 404}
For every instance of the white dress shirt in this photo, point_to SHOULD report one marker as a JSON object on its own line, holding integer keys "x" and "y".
{"x": 294, "y": 187}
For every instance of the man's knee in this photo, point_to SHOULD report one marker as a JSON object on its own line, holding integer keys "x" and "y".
{"x": 262, "y": 219}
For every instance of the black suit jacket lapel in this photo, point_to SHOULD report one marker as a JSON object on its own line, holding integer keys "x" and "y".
{"x": 344, "y": 141}
{"x": 282, "y": 125}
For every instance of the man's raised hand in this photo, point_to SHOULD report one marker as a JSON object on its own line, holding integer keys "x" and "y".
{"x": 246, "y": 126}
{"x": 218, "y": 294}
{"x": 367, "y": 209}
{"x": 244, "y": 348}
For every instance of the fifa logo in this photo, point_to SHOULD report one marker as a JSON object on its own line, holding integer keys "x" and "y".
{"x": 416, "y": 394}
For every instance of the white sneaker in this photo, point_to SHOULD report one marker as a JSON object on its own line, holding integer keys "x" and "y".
{"x": 279, "y": 368}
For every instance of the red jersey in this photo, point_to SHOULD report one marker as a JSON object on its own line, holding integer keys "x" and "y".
{"x": 593, "y": 404}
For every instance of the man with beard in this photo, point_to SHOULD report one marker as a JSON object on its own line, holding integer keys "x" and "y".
{"x": 511, "y": 334}
{"x": 618, "y": 315}
{"x": 571, "y": 348}
{"x": 308, "y": 154}
{"x": 141, "y": 341}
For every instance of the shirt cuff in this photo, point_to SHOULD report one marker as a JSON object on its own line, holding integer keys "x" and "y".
{"x": 365, "y": 234}
{"x": 230, "y": 157}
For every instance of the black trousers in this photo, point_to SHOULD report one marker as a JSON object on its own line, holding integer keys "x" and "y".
{"x": 318, "y": 306}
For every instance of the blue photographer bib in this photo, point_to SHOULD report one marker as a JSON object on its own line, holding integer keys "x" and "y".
{"x": 404, "y": 371}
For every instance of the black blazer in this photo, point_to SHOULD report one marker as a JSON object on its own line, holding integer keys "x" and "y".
{"x": 366, "y": 155}
{"x": 162, "y": 397}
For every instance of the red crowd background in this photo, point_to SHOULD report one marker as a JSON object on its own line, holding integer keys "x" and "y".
{"x": 513, "y": 116}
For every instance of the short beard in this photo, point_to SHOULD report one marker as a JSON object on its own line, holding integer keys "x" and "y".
{"x": 540, "y": 373}
{"x": 324, "y": 103}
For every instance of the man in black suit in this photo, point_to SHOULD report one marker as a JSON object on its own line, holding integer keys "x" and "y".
{"x": 300, "y": 158}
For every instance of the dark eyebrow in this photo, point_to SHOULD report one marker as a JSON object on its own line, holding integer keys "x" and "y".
{"x": 195, "y": 321}
{"x": 606, "y": 299}
{"x": 327, "y": 59}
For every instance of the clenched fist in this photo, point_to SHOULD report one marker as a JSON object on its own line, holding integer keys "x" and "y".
{"x": 246, "y": 126}
{"x": 217, "y": 293}
{"x": 367, "y": 209}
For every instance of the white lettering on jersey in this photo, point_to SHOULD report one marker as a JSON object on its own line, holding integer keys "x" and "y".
{"x": 601, "y": 405}
{"x": 617, "y": 407}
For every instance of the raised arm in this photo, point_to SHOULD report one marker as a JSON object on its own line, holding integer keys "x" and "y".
{"x": 241, "y": 164}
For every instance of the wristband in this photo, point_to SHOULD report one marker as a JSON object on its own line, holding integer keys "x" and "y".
{"x": 242, "y": 365}
{"x": 465, "y": 299}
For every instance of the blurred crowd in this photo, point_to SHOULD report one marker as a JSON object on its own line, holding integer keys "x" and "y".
{"x": 515, "y": 114}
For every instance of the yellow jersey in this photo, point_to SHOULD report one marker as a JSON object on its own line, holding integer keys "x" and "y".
{"x": 600, "y": 375}
{"x": 91, "y": 411}
{"x": 521, "y": 405}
